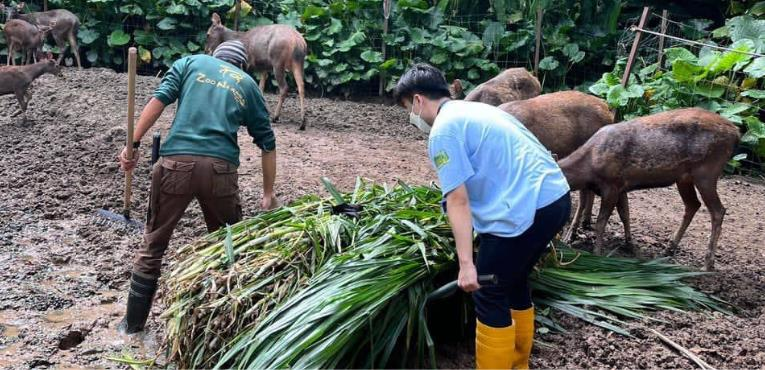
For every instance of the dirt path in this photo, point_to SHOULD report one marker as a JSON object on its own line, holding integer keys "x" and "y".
{"x": 63, "y": 278}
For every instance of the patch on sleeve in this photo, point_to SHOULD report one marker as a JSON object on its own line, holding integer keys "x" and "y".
{"x": 441, "y": 159}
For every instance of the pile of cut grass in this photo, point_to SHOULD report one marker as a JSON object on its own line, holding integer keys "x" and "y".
{"x": 303, "y": 287}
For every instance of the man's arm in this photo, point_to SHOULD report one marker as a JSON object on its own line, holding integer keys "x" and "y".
{"x": 149, "y": 116}
{"x": 461, "y": 221}
{"x": 268, "y": 161}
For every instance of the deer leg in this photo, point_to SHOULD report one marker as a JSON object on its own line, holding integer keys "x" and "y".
{"x": 21, "y": 97}
{"x": 281, "y": 79}
{"x": 692, "y": 204}
{"x": 708, "y": 190}
{"x": 608, "y": 201}
{"x": 75, "y": 48}
{"x": 569, "y": 236}
{"x": 11, "y": 57}
{"x": 623, "y": 207}
{"x": 262, "y": 83}
{"x": 586, "y": 216}
{"x": 297, "y": 72}
{"x": 61, "y": 47}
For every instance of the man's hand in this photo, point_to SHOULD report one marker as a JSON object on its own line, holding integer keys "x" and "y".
{"x": 468, "y": 279}
{"x": 269, "y": 202}
{"x": 126, "y": 163}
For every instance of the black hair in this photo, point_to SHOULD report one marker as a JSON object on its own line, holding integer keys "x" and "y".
{"x": 423, "y": 79}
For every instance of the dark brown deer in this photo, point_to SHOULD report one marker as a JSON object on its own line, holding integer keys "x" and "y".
{"x": 510, "y": 85}
{"x": 16, "y": 79}
{"x": 278, "y": 48}
{"x": 685, "y": 147}
{"x": 563, "y": 121}
{"x": 65, "y": 28}
{"x": 25, "y": 37}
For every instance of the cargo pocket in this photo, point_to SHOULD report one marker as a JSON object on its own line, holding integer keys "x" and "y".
{"x": 225, "y": 179}
{"x": 176, "y": 177}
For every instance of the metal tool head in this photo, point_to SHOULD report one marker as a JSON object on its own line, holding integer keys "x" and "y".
{"x": 119, "y": 219}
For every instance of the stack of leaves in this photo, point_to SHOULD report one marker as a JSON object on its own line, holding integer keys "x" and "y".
{"x": 302, "y": 287}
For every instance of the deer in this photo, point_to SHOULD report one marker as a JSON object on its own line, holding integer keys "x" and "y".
{"x": 25, "y": 37}
{"x": 65, "y": 28}
{"x": 563, "y": 121}
{"x": 510, "y": 85}
{"x": 278, "y": 48}
{"x": 16, "y": 79}
{"x": 686, "y": 147}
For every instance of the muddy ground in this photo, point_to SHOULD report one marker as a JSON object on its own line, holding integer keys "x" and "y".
{"x": 63, "y": 277}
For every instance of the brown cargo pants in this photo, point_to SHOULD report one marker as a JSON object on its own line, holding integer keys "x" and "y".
{"x": 175, "y": 182}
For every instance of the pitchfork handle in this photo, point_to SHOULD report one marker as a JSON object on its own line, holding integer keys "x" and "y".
{"x": 132, "y": 56}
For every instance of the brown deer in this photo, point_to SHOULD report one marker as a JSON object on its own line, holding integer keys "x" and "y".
{"x": 16, "y": 79}
{"x": 510, "y": 85}
{"x": 687, "y": 147}
{"x": 276, "y": 47}
{"x": 563, "y": 121}
{"x": 25, "y": 37}
{"x": 65, "y": 26}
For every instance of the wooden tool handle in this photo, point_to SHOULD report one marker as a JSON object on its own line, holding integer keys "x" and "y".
{"x": 132, "y": 55}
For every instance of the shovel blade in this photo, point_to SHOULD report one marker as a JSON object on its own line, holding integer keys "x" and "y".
{"x": 120, "y": 219}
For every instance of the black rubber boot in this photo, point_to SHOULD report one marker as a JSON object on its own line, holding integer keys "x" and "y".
{"x": 138, "y": 304}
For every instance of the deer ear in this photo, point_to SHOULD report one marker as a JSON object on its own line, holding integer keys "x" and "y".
{"x": 215, "y": 19}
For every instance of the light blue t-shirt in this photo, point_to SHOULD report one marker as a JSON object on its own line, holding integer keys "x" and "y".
{"x": 506, "y": 170}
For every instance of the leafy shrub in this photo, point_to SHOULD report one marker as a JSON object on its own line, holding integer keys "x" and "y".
{"x": 726, "y": 82}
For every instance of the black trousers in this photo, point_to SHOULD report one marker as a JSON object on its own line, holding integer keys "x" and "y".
{"x": 511, "y": 260}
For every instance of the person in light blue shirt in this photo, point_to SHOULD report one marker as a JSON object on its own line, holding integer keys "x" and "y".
{"x": 498, "y": 180}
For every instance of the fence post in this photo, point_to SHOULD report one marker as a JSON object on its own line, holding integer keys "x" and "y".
{"x": 45, "y": 5}
{"x": 386, "y": 15}
{"x": 538, "y": 35}
{"x": 633, "y": 51}
{"x": 237, "y": 10}
{"x": 664, "y": 16}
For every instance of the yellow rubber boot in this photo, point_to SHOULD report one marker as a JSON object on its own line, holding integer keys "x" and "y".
{"x": 524, "y": 336}
{"x": 494, "y": 347}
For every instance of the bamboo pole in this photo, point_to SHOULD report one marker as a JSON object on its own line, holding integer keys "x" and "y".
{"x": 237, "y": 10}
{"x": 538, "y": 36}
{"x": 386, "y": 16}
{"x": 132, "y": 56}
{"x": 664, "y": 19}
{"x": 45, "y": 5}
{"x": 635, "y": 44}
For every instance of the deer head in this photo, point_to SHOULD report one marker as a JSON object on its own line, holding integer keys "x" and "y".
{"x": 51, "y": 65}
{"x": 215, "y": 34}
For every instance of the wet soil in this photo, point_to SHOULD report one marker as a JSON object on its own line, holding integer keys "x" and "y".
{"x": 63, "y": 275}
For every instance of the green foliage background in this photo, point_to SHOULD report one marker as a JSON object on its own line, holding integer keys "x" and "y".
{"x": 471, "y": 40}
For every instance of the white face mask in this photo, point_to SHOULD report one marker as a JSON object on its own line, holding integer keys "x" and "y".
{"x": 417, "y": 121}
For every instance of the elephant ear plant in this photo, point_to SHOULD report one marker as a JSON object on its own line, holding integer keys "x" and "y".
{"x": 305, "y": 288}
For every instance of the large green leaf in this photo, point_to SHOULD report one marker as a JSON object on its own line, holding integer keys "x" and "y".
{"x": 355, "y": 39}
{"x": 734, "y": 59}
{"x": 493, "y": 33}
{"x": 143, "y": 37}
{"x": 747, "y": 27}
{"x": 335, "y": 26}
{"x": 684, "y": 71}
{"x": 673, "y": 54}
{"x": 118, "y": 38}
{"x": 548, "y": 63}
{"x": 176, "y": 9}
{"x": 419, "y": 35}
{"x": 372, "y": 56}
{"x": 313, "y": 11}
{"x": 131, "y": 9}
{"x": 756, "y": 69}
{"x": 167, "y": 23}
{"x": 87, "y": 36}
{"x": 754, "y": 94}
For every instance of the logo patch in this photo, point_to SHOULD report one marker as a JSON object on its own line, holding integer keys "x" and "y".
{"x": 441, "y": 159}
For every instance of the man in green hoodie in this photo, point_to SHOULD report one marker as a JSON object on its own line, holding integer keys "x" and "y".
{"x": 199, "y": 158}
